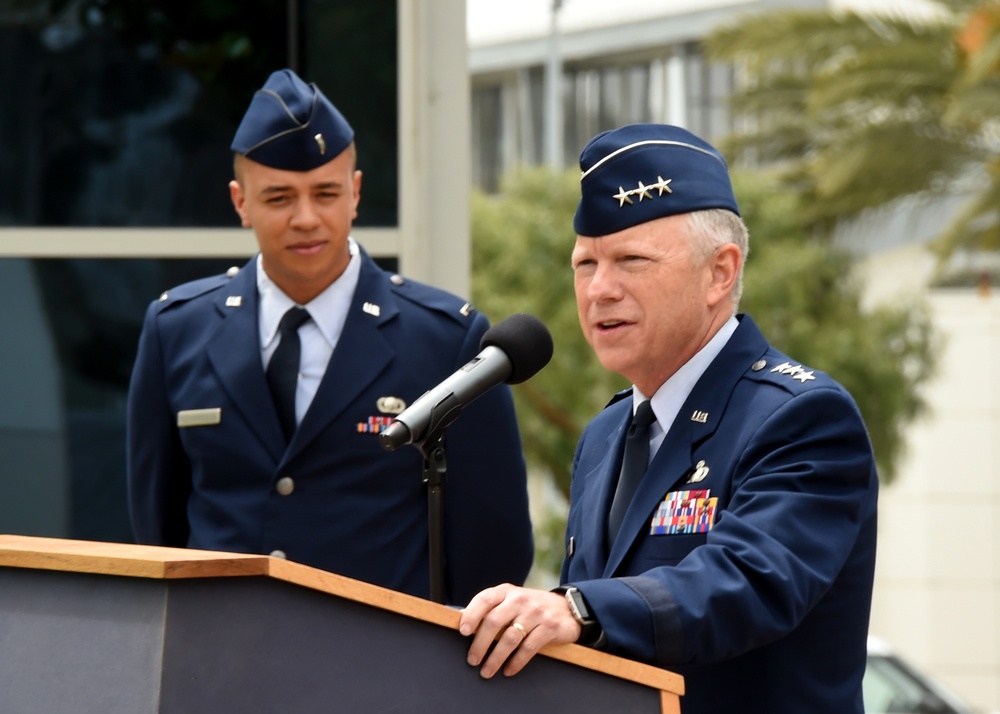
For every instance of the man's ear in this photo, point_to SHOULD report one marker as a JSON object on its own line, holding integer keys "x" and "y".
{"x": 239, "y": 200}
{"x": 725, "y": 268}
{"x": 356, "y": 178}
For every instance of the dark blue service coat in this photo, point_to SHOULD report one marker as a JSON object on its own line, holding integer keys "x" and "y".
{"x": 354, "y": 508}
{"x": 767, "y": 609}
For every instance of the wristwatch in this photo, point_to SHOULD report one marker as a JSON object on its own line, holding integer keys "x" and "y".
{"x": 591, "y": 633}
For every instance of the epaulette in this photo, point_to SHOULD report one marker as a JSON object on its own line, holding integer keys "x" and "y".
{"x": 432, "y": 298}
{"x": 791, "y": 376}
{"x": 625, "y": 393}
{"x": 193, "y": 289}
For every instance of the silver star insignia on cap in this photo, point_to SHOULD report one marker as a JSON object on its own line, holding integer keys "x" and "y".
{"x": 643, "y": 191}
{"x": 662, "y": 185}
{"x": 623, "y": 196}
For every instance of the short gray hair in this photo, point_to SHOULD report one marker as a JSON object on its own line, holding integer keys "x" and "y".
{"x": 712, "y": 228}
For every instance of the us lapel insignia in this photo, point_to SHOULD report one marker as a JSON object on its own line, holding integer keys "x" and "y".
{"x": 234, "y": 301}
{"x": 699, "y": 416}
{"x": 372, "y": 309}
{"x": 390, "y": 405}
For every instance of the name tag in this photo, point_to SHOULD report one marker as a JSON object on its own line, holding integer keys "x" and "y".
{"x": 199, "y": 417}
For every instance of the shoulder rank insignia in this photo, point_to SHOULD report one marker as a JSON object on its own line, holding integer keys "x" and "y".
{"x": 794, "y": 371}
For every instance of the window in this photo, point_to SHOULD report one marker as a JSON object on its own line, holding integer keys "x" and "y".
{"x": 116, "y": 121}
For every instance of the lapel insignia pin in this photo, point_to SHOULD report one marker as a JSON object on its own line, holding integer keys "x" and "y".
{"x": 699, "y": 473}
{"x": 234, "y": 301}
{"x": 465, "y": 310}
{"x": 390, "y": 405}
{"x": 372, "y": 309}
{"x": 699, "y": 416}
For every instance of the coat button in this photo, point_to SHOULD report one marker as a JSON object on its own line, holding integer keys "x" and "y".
{"x": 285, "y": 486}
{"x": 278, "y": 554}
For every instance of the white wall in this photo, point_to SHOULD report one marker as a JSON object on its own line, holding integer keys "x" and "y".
{"x": 937, "y": 585}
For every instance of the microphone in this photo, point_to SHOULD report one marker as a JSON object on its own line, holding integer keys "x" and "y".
{"x": 512, "y": 351}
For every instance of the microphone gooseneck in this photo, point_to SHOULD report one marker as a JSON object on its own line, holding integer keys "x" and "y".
{"x": 511, "y": 351}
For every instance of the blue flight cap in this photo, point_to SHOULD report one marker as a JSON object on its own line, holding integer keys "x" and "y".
{"x": 291, "y": 125}
{"x": 641, "y": 172}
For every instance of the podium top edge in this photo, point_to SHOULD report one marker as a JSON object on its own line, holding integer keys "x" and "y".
{"x": 143, "y": 561}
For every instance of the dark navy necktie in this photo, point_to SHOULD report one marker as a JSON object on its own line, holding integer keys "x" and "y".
{"x": 634, "y": 465}
{"x": 283, "y": 369}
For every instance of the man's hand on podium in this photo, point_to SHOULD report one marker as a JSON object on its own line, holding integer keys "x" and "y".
{"x": 521, "y": 621}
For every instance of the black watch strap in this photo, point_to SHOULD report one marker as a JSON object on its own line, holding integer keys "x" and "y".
{"x": 591, "y": 633}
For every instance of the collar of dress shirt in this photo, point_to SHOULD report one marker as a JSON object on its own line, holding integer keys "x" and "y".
{"x": 670, "y": 397}
{"x": 328, "y": 309}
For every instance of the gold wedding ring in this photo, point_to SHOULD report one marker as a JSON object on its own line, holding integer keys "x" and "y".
{"x": 520, "y": 628}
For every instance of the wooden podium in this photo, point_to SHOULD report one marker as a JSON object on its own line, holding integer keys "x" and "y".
{"x": 107, "y": 628}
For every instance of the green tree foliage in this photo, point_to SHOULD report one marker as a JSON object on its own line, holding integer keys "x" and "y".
{"x": 797, "y": 289}
{"x": 859, "y": 111}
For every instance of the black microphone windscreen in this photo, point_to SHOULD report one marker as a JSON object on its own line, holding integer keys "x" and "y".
{"x": 525, "y": 340}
